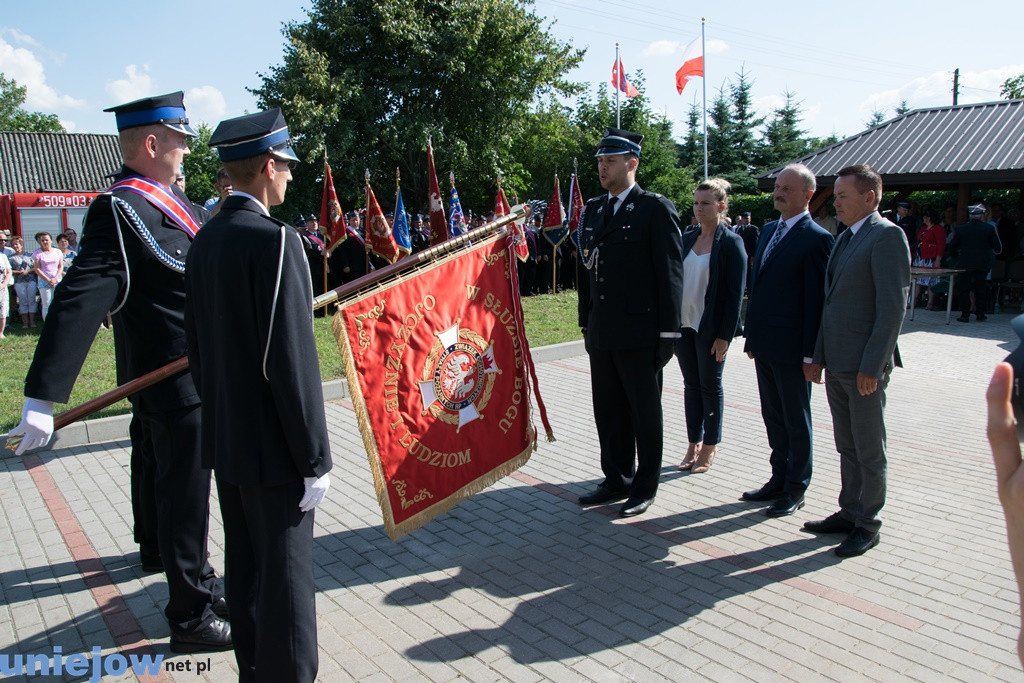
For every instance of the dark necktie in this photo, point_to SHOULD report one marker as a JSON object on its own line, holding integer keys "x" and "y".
{"x": 773, "y": 242}
{"x": 610, "y": 211}
{"x": 844, "y": 240}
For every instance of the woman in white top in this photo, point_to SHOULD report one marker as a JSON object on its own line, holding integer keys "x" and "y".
{"x": 714, "y": 271}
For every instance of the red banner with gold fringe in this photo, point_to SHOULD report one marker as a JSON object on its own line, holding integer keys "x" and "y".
{"x": 439, "y": 371}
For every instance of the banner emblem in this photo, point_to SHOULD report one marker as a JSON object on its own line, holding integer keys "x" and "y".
{"x": 458, "y": 376}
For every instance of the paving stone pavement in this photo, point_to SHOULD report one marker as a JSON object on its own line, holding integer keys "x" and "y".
{"x": 519, "y": 583}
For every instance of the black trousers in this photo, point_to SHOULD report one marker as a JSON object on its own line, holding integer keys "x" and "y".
{"x": 973, "y": 281}
{"x": 143, "y": 485}
{"x": 271, "y": 595}
{"x": 626, "y": 388}
{"x": 786, "y": 409}
{"x": 182, "y": 493}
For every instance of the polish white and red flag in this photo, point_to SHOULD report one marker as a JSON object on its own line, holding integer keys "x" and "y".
{"x": 693, "y": 65}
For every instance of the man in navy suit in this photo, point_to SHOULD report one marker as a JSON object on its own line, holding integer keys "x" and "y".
{"x": 783, "y": 315}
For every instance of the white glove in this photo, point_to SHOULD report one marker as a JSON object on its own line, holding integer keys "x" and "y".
{"x": 36, "y": 426}
{"x": 316, "y": 490}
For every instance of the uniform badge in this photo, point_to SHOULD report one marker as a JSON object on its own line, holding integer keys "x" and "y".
{"x": 629, "y": 207}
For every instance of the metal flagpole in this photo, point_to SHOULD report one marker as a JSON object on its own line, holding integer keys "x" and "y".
{"x": 618, "y": 79}
{"x": 704, "y": 82}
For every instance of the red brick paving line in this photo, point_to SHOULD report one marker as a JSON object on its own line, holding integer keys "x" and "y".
{"x": 120, "y": 621}
{"x": 713, "y": 551}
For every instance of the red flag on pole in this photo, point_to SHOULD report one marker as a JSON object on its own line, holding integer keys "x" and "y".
{"x": 554, "y": 217}
{"x": 575, "y": 204}
{"x": 693, "y": 65}
{"x": 438, "y": 224}
{"x": 619, "y": 79}
{"x": 379, "y": 239}
{"x": 440, "y": 382}
{"x": 501, "y": 208}
{"x": 332, "y": 222}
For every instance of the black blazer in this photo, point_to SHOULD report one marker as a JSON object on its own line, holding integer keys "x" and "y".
{"x": 724, "y": 296}
{"x": 149, "y": 325}
{"x": 252, "y": 351}
{"x": 632, "y": 291}
{"x": 787, "y": 293}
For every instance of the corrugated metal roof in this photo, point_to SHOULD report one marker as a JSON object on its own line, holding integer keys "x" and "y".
{"x": 30, "y": 162}
{"x": 973, "y": 143}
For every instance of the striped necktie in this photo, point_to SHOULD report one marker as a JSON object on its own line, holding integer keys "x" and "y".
{"x": 774, "y": 241}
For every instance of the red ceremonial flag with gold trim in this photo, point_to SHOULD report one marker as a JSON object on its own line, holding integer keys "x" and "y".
{"x": 438, "y": 224}
{"x": 379, "y": 239}
{"x": 439, "y": 371}
{"x": 501, "y": 208}
{"x": 332, "y": 222}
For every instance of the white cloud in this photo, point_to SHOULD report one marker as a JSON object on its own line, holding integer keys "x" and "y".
{"x": 936, "y": 90}
{"x": 205, "y": 103}
{"x": 136, "y": 85}
{"x": 69, "y": 126}
{"x": 665, "y": 48}
{"x": 20, "y": 37}
{"x": 22, "y": 65}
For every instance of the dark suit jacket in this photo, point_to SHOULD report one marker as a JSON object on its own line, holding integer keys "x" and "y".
{"x": 786, "y": 293}
{"x": 633, "y": 290}
{"x": 866, "y": 286}
{"x": 724, "y": 296}
{"x": 149, "y": 324}
{"x": 253, "y": 356}
{"x": 978, "y": 243}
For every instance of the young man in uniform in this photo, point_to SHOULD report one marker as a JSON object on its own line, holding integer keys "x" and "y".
{"x": 253, "y": 356}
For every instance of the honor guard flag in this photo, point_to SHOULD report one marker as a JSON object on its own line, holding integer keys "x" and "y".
{"x": 440, "y": 373}
{"x": 379, "y": 239}
{"x": 456, "y": 219}
{"x": 438, "y": 225}
{"x": 619, "y": 79}
{"x": 575, "y": 209}
{"x": 400, "y": 229}
{"x": 693, "y": 65}
{"x": 332, "y": 222}
{"x": 519, "y": 245}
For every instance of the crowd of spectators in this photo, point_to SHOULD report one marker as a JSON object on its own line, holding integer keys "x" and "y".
{"x": 27, "y": 280}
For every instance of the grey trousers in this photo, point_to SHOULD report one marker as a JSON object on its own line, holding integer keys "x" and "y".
{"x": 859, "y": 425}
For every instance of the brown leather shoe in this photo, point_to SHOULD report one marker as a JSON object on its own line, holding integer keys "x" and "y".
{"x": 705, "y": 456}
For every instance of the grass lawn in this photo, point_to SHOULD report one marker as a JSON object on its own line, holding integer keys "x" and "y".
{"x": 550, "y": 319}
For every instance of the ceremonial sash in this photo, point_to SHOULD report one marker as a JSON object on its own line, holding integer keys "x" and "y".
{"x": 163, "y": 199}
{"x": 316, "y": 240}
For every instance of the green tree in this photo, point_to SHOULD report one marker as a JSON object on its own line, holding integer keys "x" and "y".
{"x": 691, "y": 152}
{"x": 745, "y": 124}
{"x": 201, "y": 166}
{"x": 1013, "y": 88}
{"x": 369, "y": 81}
{"x": 782, "y": 140}
{"x": 902, "y": 108}
{"x": 877, "y": 119}
{"x": 13, "y": 117}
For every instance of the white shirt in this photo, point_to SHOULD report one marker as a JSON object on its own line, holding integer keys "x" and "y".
{"x": 621, "y": 198}
{"x": 696, "y": 275}
{"x": 249, "y": 196}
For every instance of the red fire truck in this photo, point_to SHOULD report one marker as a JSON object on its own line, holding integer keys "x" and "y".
{"x": 53, "y": 212}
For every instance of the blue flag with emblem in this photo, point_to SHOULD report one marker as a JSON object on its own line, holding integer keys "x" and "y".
{"x": 400, "y": 228}
{"x": 456, "y": 219}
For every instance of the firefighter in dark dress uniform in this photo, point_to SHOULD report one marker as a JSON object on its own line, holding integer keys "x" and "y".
{"x": 253, "y": 355}
{"x": 131, "y": 263}
{"x": 630, "y": 304}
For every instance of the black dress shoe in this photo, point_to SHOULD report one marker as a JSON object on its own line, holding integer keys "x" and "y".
{"x": 833, "y": 524}
{"x": 214, "y": 637}
{"x": 635, "y": 506}
{"x": 786, "y": 505}
{"x": 981, "y": 317}
{"x": 602, "y": 494}
{"x": 151, "y": 563}
{"x": 220, "y": 608}
{"x": 767, "y": 492}
{"x": 858, "y": 542}
{"x": 964, "y": 319}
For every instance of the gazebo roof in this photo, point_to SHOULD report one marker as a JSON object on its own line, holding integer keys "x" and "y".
{"x": 934, "y": 148}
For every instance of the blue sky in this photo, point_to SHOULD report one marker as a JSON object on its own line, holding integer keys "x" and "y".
{"x": 841, "y": 60}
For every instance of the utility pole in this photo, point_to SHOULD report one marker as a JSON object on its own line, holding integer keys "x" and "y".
{"x": 956, "y": 85}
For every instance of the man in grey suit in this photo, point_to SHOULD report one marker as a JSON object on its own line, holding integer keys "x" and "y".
{"x": 866, "y": 284}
